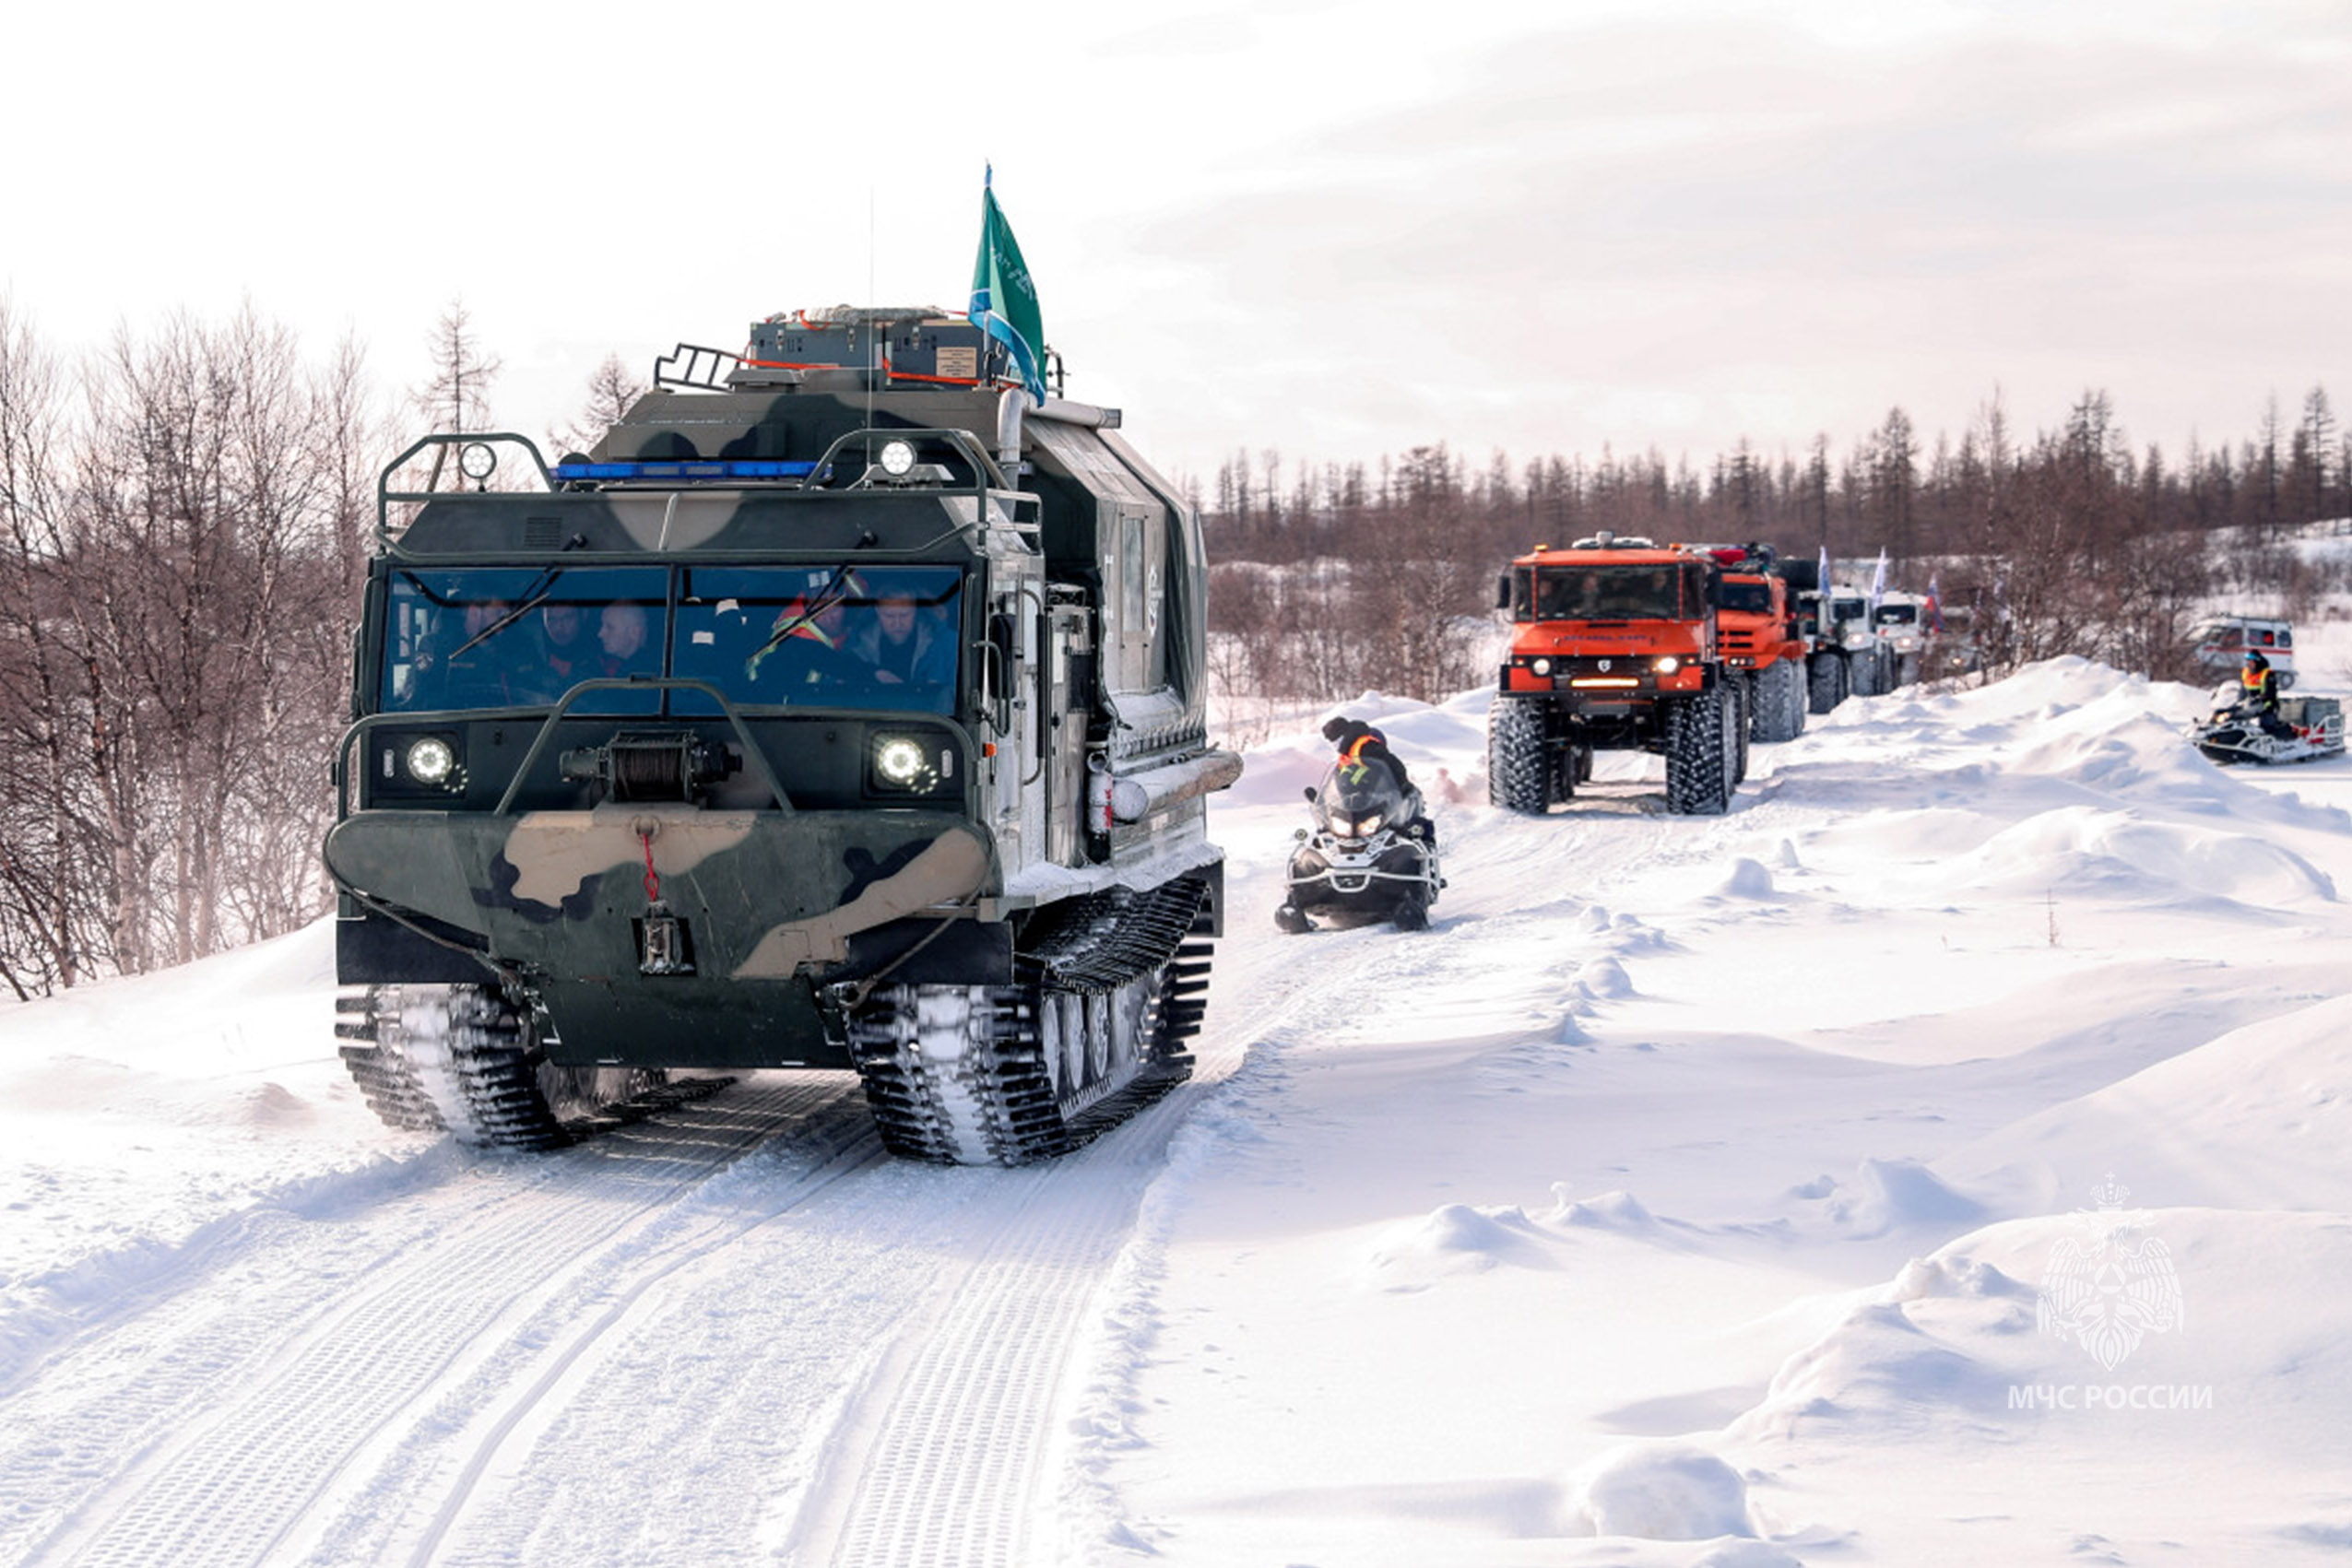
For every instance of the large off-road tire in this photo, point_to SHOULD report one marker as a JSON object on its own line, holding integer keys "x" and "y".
{"x": 1826, "y": 681}
{"x": 1868, "y": 673}
{"x": 1700, "y": 753}
{"x": 1519, "y": 775}
{"x": 1740, "y": 692}
{"x": 1780, "y": 702}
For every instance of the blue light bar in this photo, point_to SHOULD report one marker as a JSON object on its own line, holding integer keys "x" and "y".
{"x": 732, "y": 468}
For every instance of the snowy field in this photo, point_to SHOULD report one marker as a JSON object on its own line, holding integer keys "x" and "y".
{"x": 1730, "y": 1192}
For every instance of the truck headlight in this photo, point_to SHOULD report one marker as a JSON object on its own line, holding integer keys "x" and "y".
{"x": 906, "y": 764}
{"x": 430, "y": 760}
{"x": 1667, "y": 665}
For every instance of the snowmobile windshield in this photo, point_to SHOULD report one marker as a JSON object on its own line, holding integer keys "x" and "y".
{"x": 879, "y": 637}
{"x": 1660, "y": 592}
{"x": 1358, "y": 799}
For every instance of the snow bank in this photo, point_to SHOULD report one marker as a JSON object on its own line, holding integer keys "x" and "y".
{"x": 2257, "y": 1117}
{"x": 1657, "y": 1491}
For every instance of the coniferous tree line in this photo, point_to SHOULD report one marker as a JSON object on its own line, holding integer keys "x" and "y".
{"x": 1331, "y": 580}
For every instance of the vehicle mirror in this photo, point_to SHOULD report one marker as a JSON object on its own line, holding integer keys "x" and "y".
{"x": 1503, "y": 591}
{"x": 1310, "y": 794}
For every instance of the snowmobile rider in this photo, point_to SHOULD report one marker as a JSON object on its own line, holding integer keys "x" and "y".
{"x": 1360, "y": 743}
{"x": 2258, "y": 696}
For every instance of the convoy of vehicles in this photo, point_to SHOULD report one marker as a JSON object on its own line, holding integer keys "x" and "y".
{"x": 1614, "y": 646}
{"x": 844, "y": 708}
{"x": 1848, "y": 657}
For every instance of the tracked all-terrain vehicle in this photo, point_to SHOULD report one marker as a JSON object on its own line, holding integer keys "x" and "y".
{"x": 842, "y": 709}
{"x": 1614, "y": 646}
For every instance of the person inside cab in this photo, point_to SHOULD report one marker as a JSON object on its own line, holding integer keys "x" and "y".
{"x": 805, "y": 651}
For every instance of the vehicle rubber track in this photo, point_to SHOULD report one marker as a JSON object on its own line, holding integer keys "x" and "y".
{"x": 958, "y": 1074}
{"x": 461, "y": 1058}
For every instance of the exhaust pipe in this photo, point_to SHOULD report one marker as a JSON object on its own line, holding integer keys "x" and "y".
{"x": 1011, "y": 403}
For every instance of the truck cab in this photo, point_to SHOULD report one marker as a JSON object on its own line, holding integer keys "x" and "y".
{"x": 1615, "y": 645}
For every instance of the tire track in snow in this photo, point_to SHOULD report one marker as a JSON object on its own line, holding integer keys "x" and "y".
{"x": 244, "y": 1433}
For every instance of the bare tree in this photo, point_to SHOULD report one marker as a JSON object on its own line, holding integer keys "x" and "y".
{"x": 612, "y": 392}
{"x": 454, "y": 398}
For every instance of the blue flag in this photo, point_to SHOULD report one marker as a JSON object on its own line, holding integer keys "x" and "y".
{"x": 1004, "y": 301}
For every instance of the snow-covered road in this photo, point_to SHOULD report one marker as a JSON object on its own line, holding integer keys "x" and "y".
{"x": 1681, "y": 1196}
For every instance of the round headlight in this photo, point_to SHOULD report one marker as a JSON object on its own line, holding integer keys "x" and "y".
{"x": 477, "y": 461}
{"x": 899, "y": 761}
{"x": 1669, "y": 664}
{"x": 898, "y": 458}
{"x": 429, "y": 759}
{"x": 1541, "y": 667}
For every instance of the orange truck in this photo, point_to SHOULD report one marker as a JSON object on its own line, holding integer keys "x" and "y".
{"x": 1615, "y": 645}
{"x": 1763, "y": 647}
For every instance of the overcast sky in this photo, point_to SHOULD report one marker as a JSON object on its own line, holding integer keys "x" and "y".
{"x": 1331, "y": 229}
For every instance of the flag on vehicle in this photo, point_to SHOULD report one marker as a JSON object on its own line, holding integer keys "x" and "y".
{"x": 1878, "y": 583}
{"x": 1004, "y": 300}
{"x": 1823, "y": 581}
{"x": 1934, "y": 604}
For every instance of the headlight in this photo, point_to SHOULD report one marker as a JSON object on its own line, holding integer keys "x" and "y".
{"x": 898, "y": 458}
{"x": 904, "y": 764}
{"x": 1367, "y": 826}
{"x": 429, "y": 759}
{"x": 1541, "y": 667}
{"x": 1668, "y": 664}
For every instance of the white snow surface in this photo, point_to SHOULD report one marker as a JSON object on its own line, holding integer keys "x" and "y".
{"x": 1696, "y": 1191}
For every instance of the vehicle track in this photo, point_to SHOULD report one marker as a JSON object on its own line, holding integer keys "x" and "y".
{"x": 732, "y": 1333}
{"x": 241, "y": 1401}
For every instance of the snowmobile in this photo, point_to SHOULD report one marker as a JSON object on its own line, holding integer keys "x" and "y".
{"x": 2315, "y": 726}
{"x": 1372, "y": 856}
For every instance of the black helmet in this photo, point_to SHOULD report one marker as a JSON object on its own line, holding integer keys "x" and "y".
{"x": 2256, "y": 660}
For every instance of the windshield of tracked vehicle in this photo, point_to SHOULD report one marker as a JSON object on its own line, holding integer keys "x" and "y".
{"x": 831, "y": 636}
{"x": 519, "y": 637}
{"x": 880, "y": 637}
{"x": 1608, "y": 593}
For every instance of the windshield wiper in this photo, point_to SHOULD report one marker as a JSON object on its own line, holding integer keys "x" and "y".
{"x": 541, "y": 589}
{"x": 825, "y": 599}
